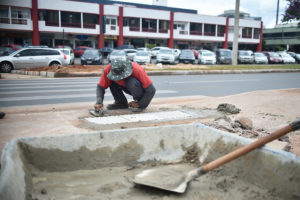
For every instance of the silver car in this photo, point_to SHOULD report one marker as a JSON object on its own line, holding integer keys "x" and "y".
{"x": 70, "y": 55}
{"x": 142, "y": 57}
{"x": 130, "y": 53}
{"x": 260, "y": 58}
{"x": 32, "y": 57}
{"x": 117, "y": 55}
{"x": 165, "y": 56}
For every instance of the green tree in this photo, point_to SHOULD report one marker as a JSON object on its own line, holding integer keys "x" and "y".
{"x": 292, "y": 12}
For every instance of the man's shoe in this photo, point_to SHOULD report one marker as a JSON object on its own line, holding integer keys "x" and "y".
{"x": 136, "y": 109}
{"x": 117, "y": 105}
{"x": 2, "y": 114}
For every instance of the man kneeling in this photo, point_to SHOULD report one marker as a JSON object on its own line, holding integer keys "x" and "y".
{"x": 129, "y": 77}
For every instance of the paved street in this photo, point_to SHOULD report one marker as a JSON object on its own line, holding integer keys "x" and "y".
{"x": 74, "y": 90}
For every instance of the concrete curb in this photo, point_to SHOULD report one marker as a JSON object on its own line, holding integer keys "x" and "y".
{"x": 151, "y": 73}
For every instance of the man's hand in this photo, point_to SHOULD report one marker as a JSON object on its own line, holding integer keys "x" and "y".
{"x": 98, "y": 107}
{"x": 134, "y": 104}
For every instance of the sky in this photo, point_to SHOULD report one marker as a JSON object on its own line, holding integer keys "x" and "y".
{"x": 257, "y": 8}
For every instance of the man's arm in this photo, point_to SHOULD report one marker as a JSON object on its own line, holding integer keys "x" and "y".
{"x": 100, "y": 94}
{"x": 148, "y": 95}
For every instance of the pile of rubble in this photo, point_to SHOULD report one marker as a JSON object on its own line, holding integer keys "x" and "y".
{"x": 241, "y": 126}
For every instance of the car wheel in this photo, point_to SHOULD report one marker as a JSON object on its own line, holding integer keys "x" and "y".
{"x": 6, "y": 67}
{"x": 54, "y": 64}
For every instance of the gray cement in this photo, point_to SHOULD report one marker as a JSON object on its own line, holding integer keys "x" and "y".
{"x": 102, "y": 165}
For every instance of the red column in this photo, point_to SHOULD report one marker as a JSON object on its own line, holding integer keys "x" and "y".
{"x": 101, "y": 35}
{"x": 259, "y": 46}
{"x": 225, "y": 44}
{"x": 120, "y": 22}
{"x": 170, "y": 41}
{"x": 35, "y": 23}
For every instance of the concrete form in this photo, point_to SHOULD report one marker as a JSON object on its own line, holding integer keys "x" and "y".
{"x": 26, "y": 162}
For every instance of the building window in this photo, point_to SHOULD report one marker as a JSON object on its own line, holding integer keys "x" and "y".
{"x": 221, "y": 31}
{"x": 209, "y": 29}
{"x": 90, "y": 20}
{"x": 179, "y": 27}
{"x": 133, "y": 23}
{"x": 256, "y": 33}
{"x": 70, "y": 19}
{"x": 111, "y": 21}
{"x": 163, "y": 26}
{"x": 246, "y": 32}
{"x": 20, "y": 16}
{"x": 149, "y": 25}
{"x": 195, "y": 29}
{"x": 4, "y": 18}
{"x": 49, "y": 16}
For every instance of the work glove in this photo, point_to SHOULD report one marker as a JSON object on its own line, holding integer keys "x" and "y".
{"x": 134, "y": 104}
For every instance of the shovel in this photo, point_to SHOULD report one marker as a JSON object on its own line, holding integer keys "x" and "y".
{"x": 173, "y": 179}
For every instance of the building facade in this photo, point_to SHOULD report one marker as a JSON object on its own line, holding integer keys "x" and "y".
{"x": 99, "y": 23}
{"x": 285, "y": 35}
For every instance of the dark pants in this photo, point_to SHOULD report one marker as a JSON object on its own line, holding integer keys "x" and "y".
{"x": 133, "y": 88}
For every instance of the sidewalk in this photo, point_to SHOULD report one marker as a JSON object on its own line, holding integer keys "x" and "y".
{"x": 268, "y": 111}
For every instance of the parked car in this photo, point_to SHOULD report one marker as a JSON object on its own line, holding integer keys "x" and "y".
{"x": 155, "y": 50}
{"x": 117, "y": 54}
{"x": 286, "y": 58}
{"x": 125, "y": 46}
{"x": 245, "y": 56}
{"x": 176, "y": 53}
{"x": 202, "y": 51}
{"x": 5, "y": 51}
{"x": 78, "y": 51}
{"x": 143, "y": 49}
{"x": 295, "y": 56}
{"x": 142, "y": 57}
{"x": 105, "y": 51}
{"x": 224, "y": 56}
{"x": 207, "y": 57}
{"x": 14, "y": 46}
{"x": 70, "y": 55}
{"x": 62, "y": 47}
{"x": 32, "y": 57}
{"x": 165, "y": 56}
{"x": 260, "y": 58}
{"x": 130, "y": 53}
{"x": 273, "y": 58}
{"x": 91, "y": 57}
{"x": 187, "y": 56}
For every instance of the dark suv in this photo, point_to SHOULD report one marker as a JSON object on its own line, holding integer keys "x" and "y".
{"x": 32, "y": 57}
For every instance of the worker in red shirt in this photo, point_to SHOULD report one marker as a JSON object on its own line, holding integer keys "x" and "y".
{"x": 129, "y": 77}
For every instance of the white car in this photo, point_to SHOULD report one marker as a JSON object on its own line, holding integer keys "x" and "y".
{"x": 130, "y": 53}
{"x": 260, "y": 58}
{"x": 207, "y": 57}
{"x": 287, "y": 58}
{"x": 142, "y": 57}
{"x": 143, "y": 49}
{"x": 155, "y": 50}
{"x": 117, "y": 55}
{"x": 176, "y": 53}
{"x": 165, "y": 56}
{"x": 70, "y": 55}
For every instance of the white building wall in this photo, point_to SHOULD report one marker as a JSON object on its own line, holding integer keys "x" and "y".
{"x": 186, "y": 17}
{"x": 17, "y": 3}
{"x": 245, "y": 23}
{"x": 21, "y": 27}
{"x": 72, "y": 6}
{"x": 146, "y": 13}
{"x": 111, "y": 10}
{"x": 140, "y": 34}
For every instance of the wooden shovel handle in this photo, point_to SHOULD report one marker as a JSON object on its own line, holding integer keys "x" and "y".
{"x": 246, "y": 149}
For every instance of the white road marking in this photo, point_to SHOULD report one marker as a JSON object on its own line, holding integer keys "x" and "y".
{"x": 214, "y": 81}
{"x": 67, "y": 96}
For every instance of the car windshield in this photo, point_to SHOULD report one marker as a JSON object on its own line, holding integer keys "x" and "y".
{"x": 166, "y": 51}
{"x": 142, "y": 53}
{"x": 118, "y": 53}
{"x": 245, "y": 53}
{"x": 91, "y": 53}
{"x": 187, "y": 52}
{"x": 285, "y": 55}
{"x": 207, "y": 54}
{"x": 273, "y": 54}
{"x": 259, "y": 55}
{"x": 225, "y": 53}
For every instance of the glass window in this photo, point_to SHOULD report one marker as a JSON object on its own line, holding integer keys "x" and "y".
{"x": 28, "y": 52}
{"x": 70, "y": 19}
{"x": 19, "y": 13}
{"x": 4, "y": 12}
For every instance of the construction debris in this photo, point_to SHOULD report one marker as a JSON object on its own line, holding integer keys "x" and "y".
{"x": 228, "y": 108}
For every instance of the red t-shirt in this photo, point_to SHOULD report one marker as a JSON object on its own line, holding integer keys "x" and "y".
{"x": 137, "y": 72}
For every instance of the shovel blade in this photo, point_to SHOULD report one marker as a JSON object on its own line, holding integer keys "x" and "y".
{"x": 170, "y": 178}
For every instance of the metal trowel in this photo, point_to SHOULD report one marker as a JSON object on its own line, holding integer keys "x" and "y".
{"x": 98, "y": 113}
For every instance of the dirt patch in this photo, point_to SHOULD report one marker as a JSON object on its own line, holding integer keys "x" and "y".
{"x": 74, "y": 68}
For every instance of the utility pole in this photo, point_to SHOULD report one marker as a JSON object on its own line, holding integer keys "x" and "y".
{"x": 277, "y": 12}
{"x": 235, "y": 45}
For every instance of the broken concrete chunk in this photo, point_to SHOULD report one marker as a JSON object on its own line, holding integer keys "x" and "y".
{"x": 245, "y": 122}
{"x": 228, "y": 108}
